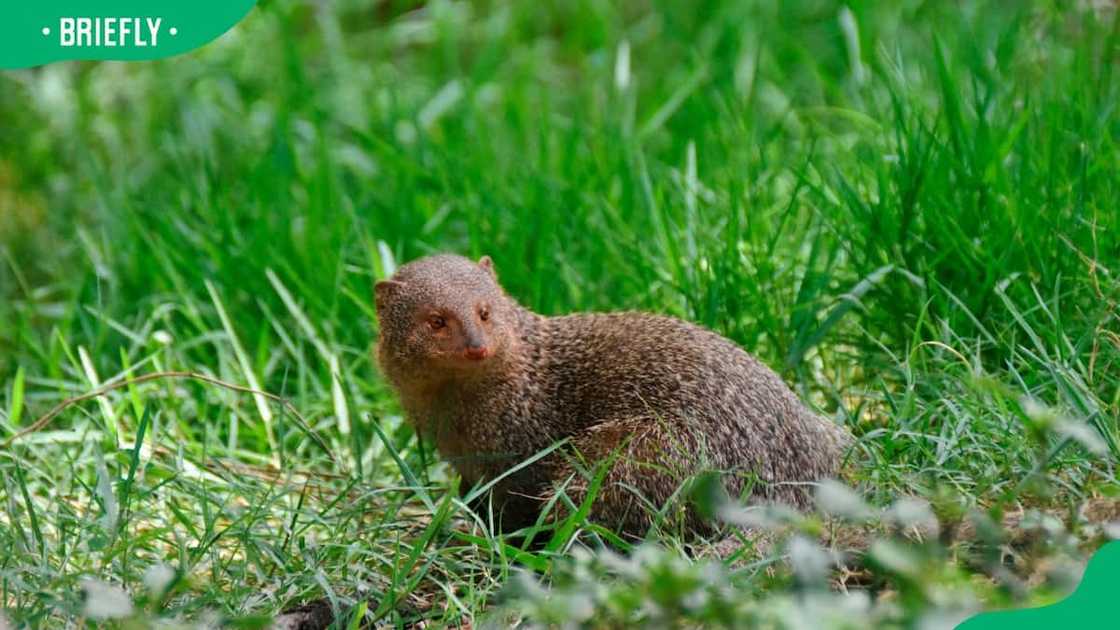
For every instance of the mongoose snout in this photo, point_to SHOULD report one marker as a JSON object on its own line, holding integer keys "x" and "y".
{"x": 644, "y": 402}
{"x": 476, "y": 353}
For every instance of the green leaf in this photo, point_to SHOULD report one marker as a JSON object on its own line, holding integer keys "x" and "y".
{"x": 15, "y": 411}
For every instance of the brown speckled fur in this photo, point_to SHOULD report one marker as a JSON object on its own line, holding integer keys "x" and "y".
{"x": 667, "y": 398}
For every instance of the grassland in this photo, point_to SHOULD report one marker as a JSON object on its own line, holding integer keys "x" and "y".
{"x": 909, "y": 209}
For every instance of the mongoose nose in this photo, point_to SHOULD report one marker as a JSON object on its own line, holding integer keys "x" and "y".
{"x": 476, "y": 353}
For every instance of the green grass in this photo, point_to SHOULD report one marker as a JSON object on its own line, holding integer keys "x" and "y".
{"x": 909, "y": 209}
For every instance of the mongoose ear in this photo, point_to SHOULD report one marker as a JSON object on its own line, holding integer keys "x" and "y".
{"x": 384, "y": 291}
{"x": 488, "y": 264}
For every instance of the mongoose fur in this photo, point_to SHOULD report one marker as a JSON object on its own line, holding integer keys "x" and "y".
{"x": 654, "y": 398}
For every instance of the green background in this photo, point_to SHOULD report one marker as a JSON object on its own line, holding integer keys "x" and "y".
{"x": 909, "y": 209}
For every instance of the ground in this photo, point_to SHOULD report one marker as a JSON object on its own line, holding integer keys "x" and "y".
{"x": 908, "y": 209}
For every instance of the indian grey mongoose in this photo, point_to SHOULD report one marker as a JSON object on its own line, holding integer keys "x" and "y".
{"x": 646, "y": 401}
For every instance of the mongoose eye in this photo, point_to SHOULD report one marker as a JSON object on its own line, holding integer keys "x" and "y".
{"x": 437, "y": 322}
{"x": 483, "y": 313}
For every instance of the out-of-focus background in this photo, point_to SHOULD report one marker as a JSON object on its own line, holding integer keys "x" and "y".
{"x": 909, "y": 209}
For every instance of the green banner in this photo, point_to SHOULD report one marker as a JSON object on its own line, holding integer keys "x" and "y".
{"x": 1092, "y": 605}
{"x": 44, "y": 31}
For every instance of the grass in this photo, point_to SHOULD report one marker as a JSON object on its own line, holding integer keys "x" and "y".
{"x": 907, "y": 208}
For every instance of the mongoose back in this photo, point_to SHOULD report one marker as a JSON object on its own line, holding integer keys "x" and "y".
{"x": 652, "y": 399}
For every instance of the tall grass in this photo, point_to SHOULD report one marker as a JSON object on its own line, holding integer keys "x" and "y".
{"x": 909, "y": 209}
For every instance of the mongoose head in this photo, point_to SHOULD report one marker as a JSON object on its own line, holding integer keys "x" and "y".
{"x": 443, "y": 313}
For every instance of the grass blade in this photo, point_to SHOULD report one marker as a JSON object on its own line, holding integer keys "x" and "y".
{"x": 247, "y": 371}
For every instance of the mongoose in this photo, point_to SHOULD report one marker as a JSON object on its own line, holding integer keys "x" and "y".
{"x": 652, "y": 398}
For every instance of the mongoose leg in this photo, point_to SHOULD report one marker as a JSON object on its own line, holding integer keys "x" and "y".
{"x": 644, "y": 464}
